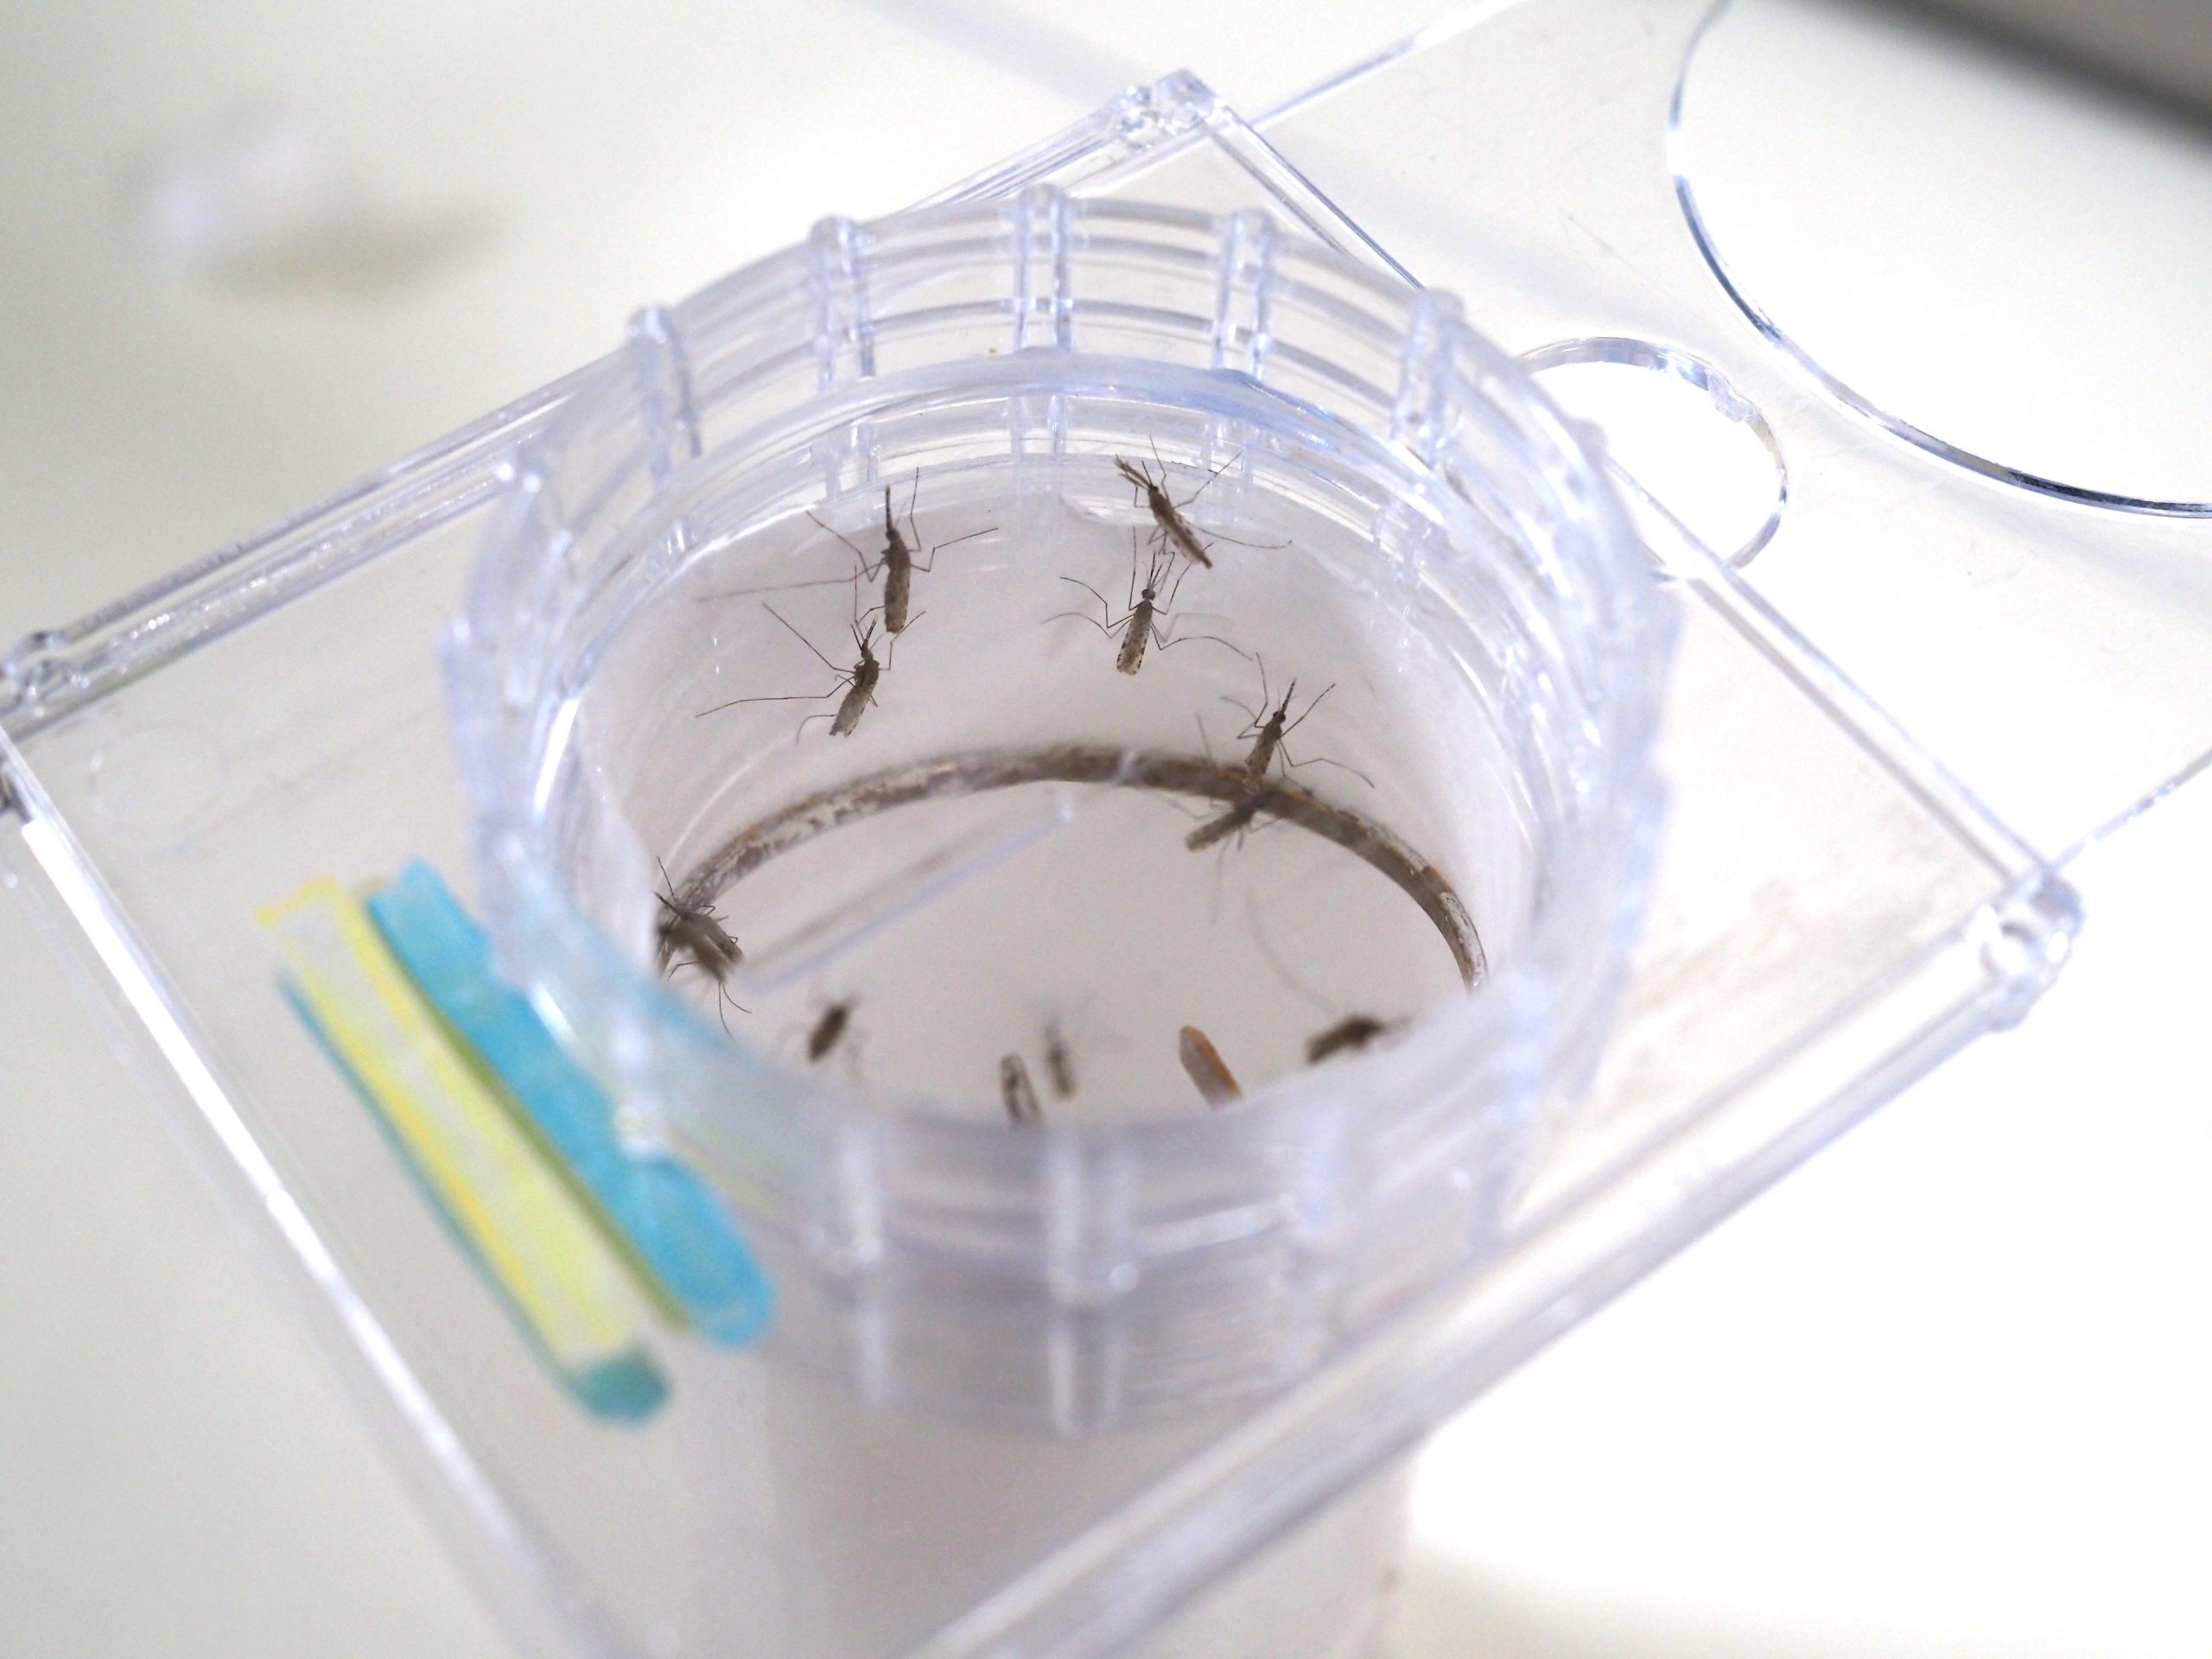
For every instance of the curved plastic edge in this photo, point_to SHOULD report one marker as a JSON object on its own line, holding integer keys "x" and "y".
{"x": 1679, "y": 166}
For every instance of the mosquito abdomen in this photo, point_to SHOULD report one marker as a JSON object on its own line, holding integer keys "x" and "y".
{"x": 1133, "y": 641}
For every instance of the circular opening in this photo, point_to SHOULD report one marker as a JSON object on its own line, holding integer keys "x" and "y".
{"x": 1002, "y": 877}
{"x": 2002, "y": 262}
{"x": 1677, "y": 432}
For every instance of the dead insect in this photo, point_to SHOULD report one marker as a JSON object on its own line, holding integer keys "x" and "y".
{"x": 1139, "y": 626}
{"x": 1060, "y": 1063}
{"x": 829, "y": 1029}
{"x": 1352, "y": 1032}
{"x": 898, "y": 560}
{"x": 1014, "y": 1089}
{"x": 857, "y": 684}
{"x": 1269, "y": 727}
{"x": 1204, "y": 1062}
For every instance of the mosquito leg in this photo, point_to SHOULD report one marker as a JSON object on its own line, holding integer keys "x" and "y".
{"x": 723, "y": 1003}
{"x": 865, "y": 570}
{"x": 1265, "y": 547}
{"x": 801, "y": 639}
{"x": 1283, "y": 749}
{"x": 1310, "y": 708}
{"x": 1201, "y": 490}
{"x": 1104, "y": 609}
{"x": 1106, "y": 628}
{"x": 1166, "y": 643}
{"x": 1329, "y": 1010}
{"x": 891, "y": 650}
{"x": 986, "y": 531}
{"x": 777, "y": 588}
{"x": 1060, "y": 616}
{"x": 1220, "y": 880}
{"x": 794, "y": 697}
{"x": 1194, "y": 815}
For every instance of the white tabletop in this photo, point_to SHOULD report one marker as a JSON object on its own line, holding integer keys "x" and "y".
{"x": 1942, "y": 1392}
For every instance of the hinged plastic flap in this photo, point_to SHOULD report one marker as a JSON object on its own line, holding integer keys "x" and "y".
{"x": 2044, "y": 640}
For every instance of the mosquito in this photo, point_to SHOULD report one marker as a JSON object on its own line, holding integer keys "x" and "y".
{"x": 830, "y": 1030}
{"x": 1269, "y": 727}
{"x": 694, "y": 935}
{"x": 857, "y": 684}
{"x": 899, "y": 560}
{"x": 693, "y": 932}
{"x": 1349, "y": 1034}
{"x": 1169, "y": 525}
{"x": 1352, "y": 1032}
{"x": 1059, "y": 1062}
{"x": 1216, "y": 1083}
{"x": 1015, "y": 1089}
{"x": 1238, "y": 819}
{"x": 1139, "y": 626}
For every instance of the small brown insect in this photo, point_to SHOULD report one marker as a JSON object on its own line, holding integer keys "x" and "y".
{"x": 1139, "y": 626}
{"x": 830, "y": 1030}
{"x": 1267, "y": 735}
{"x": 860, "y": 692}
{"x": 1014, "y": 1089}
{"x": 1352, "y": 1032}
{"x": 1167, "y": 518}
{"x": 1202, "y": 1061}
{"x": 1170, "y": 527}
{"x": 898, "y": 560}
{"x": 693, "y": 935}
{"x": 857, "y": 684}
{"x": 898, "y": 567}
{"x": 1269, "y": 727}
{"x": 1060, "y": 1063}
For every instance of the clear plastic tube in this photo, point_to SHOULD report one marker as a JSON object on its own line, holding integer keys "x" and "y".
{"x": 1016, "y": 846}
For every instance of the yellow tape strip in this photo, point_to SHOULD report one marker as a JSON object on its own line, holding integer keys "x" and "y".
{"x": 523, "y": 1221}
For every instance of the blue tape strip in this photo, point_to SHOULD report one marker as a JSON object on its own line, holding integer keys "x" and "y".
{"x": 628, "y": 1386}
{"x": 670, "y": 1221}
